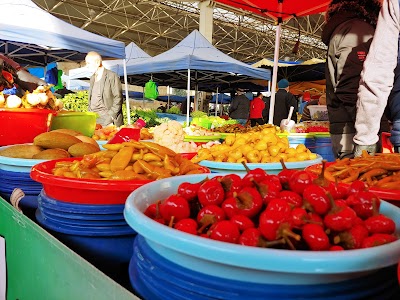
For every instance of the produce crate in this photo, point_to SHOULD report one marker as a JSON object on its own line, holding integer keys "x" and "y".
{"x": 40, "y": 267}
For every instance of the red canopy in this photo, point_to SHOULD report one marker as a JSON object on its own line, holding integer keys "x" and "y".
{"x": 284, "y": 9}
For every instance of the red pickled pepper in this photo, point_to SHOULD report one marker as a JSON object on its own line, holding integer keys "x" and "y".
{"x": 353, "y": 238}
{"x": 316, "y": 199}
{"x": 379, "y": 223}
{"x": 315, "y": 237}
{"x": 247, "y": 202}
{"x": 285, "y": 174}
{"x": 378, "y": 239}
{"x": 255, "y": 175}
{"x": 189, "y": 190}
{"x": 211, "y": 192}
{"x": 225, "y": 231}
{"x": 231, "y": 183}
{"x": 339, "y": 218}
{"x": 187, "y": 225}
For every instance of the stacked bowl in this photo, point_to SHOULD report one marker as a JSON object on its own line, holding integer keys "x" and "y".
{"x": 87, "y": 216}
{"x": 15, "y": 173}
{"x": 171, "y": 264}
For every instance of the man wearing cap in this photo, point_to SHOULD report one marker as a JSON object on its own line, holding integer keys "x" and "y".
{"x": 283, "y": 101}
{"x": 240, "y": 107}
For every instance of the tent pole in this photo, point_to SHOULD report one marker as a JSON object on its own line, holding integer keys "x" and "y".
{"x": 128, "y": 109}
{"x": 188, "y": 99}
{"x": 196, "y": 96}
{"x": 168, "y": 103}
{"x": 274, "y": 73}
{"x": 216, "y": 103}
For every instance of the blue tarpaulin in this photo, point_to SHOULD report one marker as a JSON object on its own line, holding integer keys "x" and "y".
{"x": 209, "y": 67}
{"x": 23, "y": 21}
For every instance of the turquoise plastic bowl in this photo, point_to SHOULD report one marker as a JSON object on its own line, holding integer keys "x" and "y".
{"x": 17, "y": 164}
{"x": 252, "y": 264}
{"x": 271, "y": 168}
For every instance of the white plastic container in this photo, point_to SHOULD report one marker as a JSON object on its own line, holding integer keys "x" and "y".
{"x": 318, "y": 112}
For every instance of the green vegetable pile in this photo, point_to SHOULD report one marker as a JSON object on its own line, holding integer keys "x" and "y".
{"x": 198, "y": 114}
{"x": 173, "y": 110}
{"x": 79, "y": 101}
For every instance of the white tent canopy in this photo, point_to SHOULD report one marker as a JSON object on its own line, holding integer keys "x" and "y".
{"x": 48, "y": 37}
{"x": 133, "y": 54}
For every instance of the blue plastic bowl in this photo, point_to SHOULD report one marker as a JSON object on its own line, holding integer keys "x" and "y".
{"x": 271, "y": 168}
{"x": 252, "y": 264}
{"x": 76, "y": 208}
{"x": 155, "y": 277}
{"x": 87, "y": 222}
{"x": 82, "y": 230}
{"x": 107, "y": 245}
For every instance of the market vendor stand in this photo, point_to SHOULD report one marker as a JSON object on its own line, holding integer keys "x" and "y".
{"x": 38, "y": 266}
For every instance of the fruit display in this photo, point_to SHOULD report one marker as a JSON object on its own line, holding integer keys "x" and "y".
{"x": 128, "y": 161}
{"x": 255, "y": 147}
{"x": 41, "y": 97}
{"x": 55, "y": 144}
{"x": 289, "y": 210}
{"x": 172, "y": 135}
{"x": 378, "y": 171}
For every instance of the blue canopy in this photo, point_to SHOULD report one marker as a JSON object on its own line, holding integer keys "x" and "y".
{"x": 48, "y": 37}
{"x": 222, "y": 99}
{"x": 210, "y": 68}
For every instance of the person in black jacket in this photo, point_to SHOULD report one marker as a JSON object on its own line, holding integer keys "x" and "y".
{"x": 240, "y": 107}
{"x": 283, "y": 101}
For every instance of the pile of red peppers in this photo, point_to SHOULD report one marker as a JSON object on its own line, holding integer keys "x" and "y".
{"x": 290, "y": 210}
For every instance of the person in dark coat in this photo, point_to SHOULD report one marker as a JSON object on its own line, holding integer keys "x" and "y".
{"x": 283, "y": 101}
{"x": 348, "y": 32}
{"x": 240, "y": 107}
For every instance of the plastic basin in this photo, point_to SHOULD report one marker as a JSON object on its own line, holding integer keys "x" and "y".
{"x": 84, "y": 191}
{"x": 252, "y": 264}
{"x": 84, "y": 122}
{"x": 21, "y": 125}
{"x": 271, "y": 168}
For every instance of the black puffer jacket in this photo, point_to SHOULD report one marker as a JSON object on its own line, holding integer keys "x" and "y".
{"x": 348, "y": 34}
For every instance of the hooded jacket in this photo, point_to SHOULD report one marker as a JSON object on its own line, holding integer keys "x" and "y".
{"x": 348, "y": 34}
{"x": 378, "y": 77}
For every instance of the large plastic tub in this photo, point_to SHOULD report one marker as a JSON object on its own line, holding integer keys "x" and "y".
{"x": 21, "y": 125}
{"x": 302, "y": 138}
{"x": 292, "y": 270}
{"x": 108, "y": 248}
{"x": 157, "y": 278}
{"x": 323, "y": 147}
{"x": 84, "y": 122}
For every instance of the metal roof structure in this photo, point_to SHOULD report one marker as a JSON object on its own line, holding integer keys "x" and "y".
{"x": 157, "y": 26}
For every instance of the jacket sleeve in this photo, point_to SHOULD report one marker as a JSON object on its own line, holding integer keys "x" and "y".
{"x": 234, "y": 105}
{"x": 378, "y": 74}
{"x": 116, "y": 90}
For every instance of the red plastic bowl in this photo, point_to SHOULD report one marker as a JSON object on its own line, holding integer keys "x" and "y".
{"x": 84, "y": 191}
{"x": 21, "y": 125}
